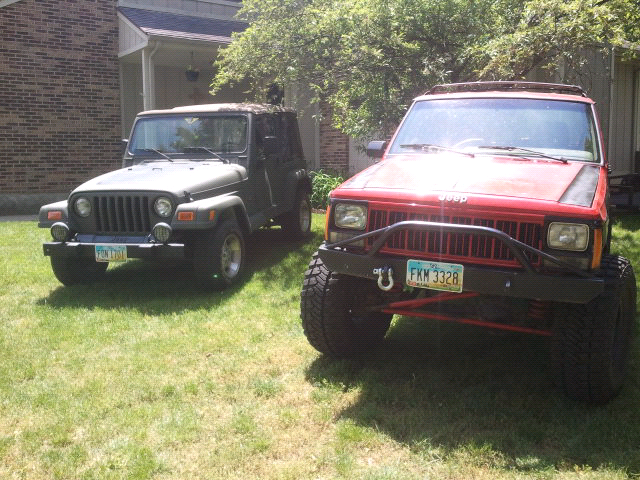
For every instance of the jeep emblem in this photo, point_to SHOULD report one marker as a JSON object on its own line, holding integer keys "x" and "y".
{"x": 450, "y": 197}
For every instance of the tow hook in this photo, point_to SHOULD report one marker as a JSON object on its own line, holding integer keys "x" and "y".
{"x": 385, "y": 278}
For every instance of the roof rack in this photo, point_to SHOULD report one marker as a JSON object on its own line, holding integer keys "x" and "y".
{"x": 505, "y": 86}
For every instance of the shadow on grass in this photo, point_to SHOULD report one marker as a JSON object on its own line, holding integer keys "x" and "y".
{"x": 455, "y": 387}
{"x": 156, "y": 288}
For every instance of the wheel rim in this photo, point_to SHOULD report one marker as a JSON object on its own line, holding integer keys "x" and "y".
{"x": 304, "y": 215}
{"x": 231, "y": 256}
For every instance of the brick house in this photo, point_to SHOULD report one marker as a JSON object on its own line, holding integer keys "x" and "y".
{"x": 73, "y": 74}
{"x": 57, "y": 67}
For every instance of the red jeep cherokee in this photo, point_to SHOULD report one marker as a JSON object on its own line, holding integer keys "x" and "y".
{"x": 491, "y": 193}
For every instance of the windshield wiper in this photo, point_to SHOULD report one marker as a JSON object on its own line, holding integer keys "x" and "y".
{"x": 157, "y": 152}
{"x": 524, "y": 150}
{"x": 430, "y": 146}
{"x": 206, "y": 150}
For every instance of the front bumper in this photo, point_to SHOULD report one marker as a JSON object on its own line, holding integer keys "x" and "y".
{"x": 571, "y": 285}
{"x": 147, "y": 251}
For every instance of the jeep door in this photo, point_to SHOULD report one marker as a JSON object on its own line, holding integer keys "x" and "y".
{"x": 271, "y": 149}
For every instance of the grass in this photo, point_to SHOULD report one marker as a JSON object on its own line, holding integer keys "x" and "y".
{"x": 139, "y": 377}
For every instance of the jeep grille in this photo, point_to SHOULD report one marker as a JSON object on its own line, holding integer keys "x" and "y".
{"x": 122, "y": 214}
{"x": 456, "y": 246}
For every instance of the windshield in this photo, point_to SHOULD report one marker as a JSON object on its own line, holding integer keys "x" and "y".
{"x": 559, "y": 128}
{"x": 180, "y": 134}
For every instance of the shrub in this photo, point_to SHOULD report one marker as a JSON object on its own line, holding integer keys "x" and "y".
{"x": 323, "y": 183}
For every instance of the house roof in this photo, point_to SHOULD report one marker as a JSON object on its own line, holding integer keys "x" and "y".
{"x": 165, "y": 24}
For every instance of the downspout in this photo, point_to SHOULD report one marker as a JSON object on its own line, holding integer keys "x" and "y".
{"x": 612, "y": 79}
{"x": 634, "y": 121}
{"x": 148, "y": 78}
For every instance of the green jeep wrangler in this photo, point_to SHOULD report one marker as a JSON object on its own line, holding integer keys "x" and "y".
{"x": 195, "y": 181}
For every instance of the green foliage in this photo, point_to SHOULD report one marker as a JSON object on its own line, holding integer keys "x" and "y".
{"x": 323, "y": 182}
{"x": 370, "y": 58}
{"x": 548, "y": 31}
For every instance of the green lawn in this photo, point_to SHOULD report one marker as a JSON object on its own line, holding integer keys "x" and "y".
{"x": 140, "y": 377}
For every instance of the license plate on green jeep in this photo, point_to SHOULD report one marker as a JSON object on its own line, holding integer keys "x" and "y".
{"x": 435, "y": 275}
{"x": 111, "y": 253}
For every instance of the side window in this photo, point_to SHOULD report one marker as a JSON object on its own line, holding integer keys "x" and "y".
{"x": 266, "y": 127}
{"x": 293, "y": 134}
{"x": 289, "y": 137}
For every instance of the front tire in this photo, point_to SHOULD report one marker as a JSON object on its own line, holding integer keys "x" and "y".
{"x": 77, "y": 270}
{"x": 219, "y": 255}
{"x": 334, "y": 312}
{"x": 590, "y": 343}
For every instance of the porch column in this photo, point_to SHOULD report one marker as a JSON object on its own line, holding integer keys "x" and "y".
{"x": 149, "y": 77}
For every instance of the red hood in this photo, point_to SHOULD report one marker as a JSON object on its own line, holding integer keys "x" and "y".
{"x": 534, "y": 179}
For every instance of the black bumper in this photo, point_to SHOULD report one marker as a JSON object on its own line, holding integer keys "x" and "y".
{"x": 144, "y": 250}
{"x": 574, "y": 286}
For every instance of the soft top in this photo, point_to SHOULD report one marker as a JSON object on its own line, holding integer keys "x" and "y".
{"x": 220, "y": 107}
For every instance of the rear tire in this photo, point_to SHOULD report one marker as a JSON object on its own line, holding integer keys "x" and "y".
{"x": 77, "y": 270}
{"x": 334, "y": 315}
{"x": 297, "y": 222}
{"x": 219, "y": 255}
{"x": 590, "y": 343}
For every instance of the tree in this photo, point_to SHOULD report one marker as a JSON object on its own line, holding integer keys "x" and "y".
{"x": 369, "y": 58}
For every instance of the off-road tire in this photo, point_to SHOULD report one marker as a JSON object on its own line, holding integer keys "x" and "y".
{"x": 297, "y": 222}
{"x": 590, "y": 343}
{"x": 333, "y": 312}
{"x": 219, "y": 255}
{"x": 77, "y": 270}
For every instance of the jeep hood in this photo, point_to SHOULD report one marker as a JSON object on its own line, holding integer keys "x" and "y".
{"x": 174, "y": 177}
{"x": 423, "y": 176}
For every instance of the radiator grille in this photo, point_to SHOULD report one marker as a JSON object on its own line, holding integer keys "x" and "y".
{"x": 456, "y": 246}
{"x": 122, "y": 214}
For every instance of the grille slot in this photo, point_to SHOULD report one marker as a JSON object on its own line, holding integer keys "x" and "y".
{"x": 456, "y": 246}
{"x": 122, "y": 214}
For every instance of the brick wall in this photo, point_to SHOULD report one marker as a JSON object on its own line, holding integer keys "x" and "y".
{"x": 59, "y": 94}
{"x": 334, "y": 145}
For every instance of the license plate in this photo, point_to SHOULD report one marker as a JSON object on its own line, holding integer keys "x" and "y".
{"x": 435, "y": 275}
{"x": 111, "y": 253}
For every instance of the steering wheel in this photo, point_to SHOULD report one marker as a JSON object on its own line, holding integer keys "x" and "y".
{"x": 475, "y": 140}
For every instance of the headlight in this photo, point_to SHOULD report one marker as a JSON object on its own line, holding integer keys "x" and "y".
{"x": 350, "y": 215}
{"x": 83, "y": 207}
{"x": 568, "y": 236}
{"x": 163, "y": 206}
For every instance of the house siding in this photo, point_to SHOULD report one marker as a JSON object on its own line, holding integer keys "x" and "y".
{"x": 59, "y": 96}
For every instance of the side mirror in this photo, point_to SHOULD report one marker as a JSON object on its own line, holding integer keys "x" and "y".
{"x": 126, "y": 162}
{"x": 270, "y": 145}
{"x": 376, "y": 148}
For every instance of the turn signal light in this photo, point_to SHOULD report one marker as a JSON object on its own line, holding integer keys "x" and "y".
{"x": 597, "y": 249}
{"x": 186, "y": 216}
{"x": 54, "y": 215}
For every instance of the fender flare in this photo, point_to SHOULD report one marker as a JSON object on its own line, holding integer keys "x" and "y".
{"x": 208, "y": 212}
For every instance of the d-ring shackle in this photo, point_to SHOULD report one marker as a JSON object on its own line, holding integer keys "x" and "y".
{"x": 385, "y": 275}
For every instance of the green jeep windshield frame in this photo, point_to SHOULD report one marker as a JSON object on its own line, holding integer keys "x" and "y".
{"x": 173, "y": 133}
